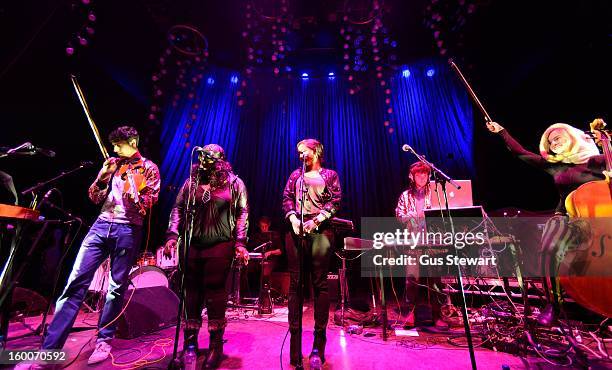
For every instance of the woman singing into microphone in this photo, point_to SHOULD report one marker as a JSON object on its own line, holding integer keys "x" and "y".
{"x": 219, "y": 233}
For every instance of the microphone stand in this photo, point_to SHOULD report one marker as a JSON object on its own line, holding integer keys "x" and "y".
{"x": 441, "y": 178}
{"x": 300, "y": 257}
{"x": 36, "y": 188}
{"x": 176, "y": 363}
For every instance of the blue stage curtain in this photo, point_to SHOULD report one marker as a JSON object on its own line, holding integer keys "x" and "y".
{"x": 433, "y": 114}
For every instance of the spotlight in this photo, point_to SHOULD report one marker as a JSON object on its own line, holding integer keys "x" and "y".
{"x": 210, "y": 80}
{"x": 305, "y": 75}
{"x": 331, "y": 74}
{"x": 430, "y": 72}
{"x": 406, "y": 73}
{"x": 234, "y": 79}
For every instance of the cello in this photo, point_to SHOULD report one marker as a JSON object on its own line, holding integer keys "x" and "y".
{"x": 586, "y": 271}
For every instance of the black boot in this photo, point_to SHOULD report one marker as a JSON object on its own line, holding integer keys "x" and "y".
{"x": 320, "y": 339}
{"x": 190, "y": 338}
{"x": 547, "y": 316}
{"x": 294, "y": 351}
{"x": 215, "y": 351}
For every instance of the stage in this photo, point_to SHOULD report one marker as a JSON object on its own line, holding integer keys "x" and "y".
{"x": 182, "y": 141}
{"x": 253, "y": 341}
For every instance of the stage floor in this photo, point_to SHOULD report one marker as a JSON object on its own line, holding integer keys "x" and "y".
{"x": 254, "y": 342}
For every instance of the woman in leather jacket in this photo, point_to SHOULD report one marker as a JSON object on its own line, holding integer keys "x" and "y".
{"x": 219, "y": 232}
{"x": 321, "y": 201}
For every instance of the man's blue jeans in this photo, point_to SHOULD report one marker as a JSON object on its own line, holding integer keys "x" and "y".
{"x": 119, "y": 241}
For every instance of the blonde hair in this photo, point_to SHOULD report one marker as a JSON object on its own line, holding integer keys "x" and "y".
{"x": 580, "y": 150}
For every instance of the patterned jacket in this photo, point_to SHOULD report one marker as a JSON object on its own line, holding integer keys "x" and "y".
{"x": 332, "y": 191}
{"x": 116, "y": 205}
{"x": 406, "y": 211}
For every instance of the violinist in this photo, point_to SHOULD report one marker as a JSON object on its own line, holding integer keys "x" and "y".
{"x": 126, "y": 187}
{"x": 572, "y": 159}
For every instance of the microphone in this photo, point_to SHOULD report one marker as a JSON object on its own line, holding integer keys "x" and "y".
{"x": 27, "y": 145}
{"x": 86, "y": 163}
{"x": 407, "y": 148}
{"x": 303, "y": 156}
{"x": 46, "y": 152}
{"x": 47, "y": 195}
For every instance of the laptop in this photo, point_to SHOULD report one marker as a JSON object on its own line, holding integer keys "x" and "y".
{"x": 456, "y": 197}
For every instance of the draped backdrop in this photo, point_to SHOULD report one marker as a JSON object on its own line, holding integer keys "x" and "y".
{"x": 431, "y": 113}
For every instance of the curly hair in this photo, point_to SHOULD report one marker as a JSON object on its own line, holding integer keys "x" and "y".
{"x": 217, "y": 177}
{"x": 123, "y": 133}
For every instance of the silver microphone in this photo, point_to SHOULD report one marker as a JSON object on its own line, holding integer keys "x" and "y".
{"x": 27, "y": 145}
{"x": 407, "y": 148}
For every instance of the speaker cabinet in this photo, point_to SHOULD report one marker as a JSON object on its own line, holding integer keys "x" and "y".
{"x": 151, "y": 309}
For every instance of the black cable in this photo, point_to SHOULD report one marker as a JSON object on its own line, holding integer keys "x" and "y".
{"x": 283, "y": 346}
{"x": 77, "y": 355}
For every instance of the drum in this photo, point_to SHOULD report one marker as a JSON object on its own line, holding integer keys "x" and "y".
{"x": 148, "y": 276}
{"x": 146, "y": 259}
{"x": 165, "y": 262}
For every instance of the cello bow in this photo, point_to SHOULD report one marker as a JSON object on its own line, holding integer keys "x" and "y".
{"x": 470, "y": 91}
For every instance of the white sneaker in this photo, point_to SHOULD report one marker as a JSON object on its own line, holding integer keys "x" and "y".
{"x": 99, "y": 354}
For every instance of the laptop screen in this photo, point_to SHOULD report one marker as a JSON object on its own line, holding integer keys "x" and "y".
{"x": 456, "y": 197}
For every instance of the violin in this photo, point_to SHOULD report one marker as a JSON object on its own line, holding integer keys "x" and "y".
{"x": 132, "y": 172}
{"x": 585, "y": 271}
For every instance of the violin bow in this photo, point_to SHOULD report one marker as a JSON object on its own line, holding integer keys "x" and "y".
{"x": 470, "y": 91}
{"x": 92, "y": 124}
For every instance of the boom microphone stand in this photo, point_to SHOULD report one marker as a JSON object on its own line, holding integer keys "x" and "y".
{"x": 441, "y": 178}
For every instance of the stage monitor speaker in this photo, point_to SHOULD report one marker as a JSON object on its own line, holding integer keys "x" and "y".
{"x": 151, "y": 309}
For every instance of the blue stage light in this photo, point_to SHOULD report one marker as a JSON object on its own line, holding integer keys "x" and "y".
{"x": 210, "y": 80}
{"x": 234, "y": 79}
{"x": 305, "y": 75}
{"x": 431, "y": 72}
{"x": 406, "y": 73}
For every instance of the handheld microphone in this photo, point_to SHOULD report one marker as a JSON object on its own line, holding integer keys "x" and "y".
{"x": 407, "y": 148}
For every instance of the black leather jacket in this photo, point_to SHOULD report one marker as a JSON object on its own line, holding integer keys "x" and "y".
{"x": 239, "y": 210}
{"x": 332, "y": 188}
